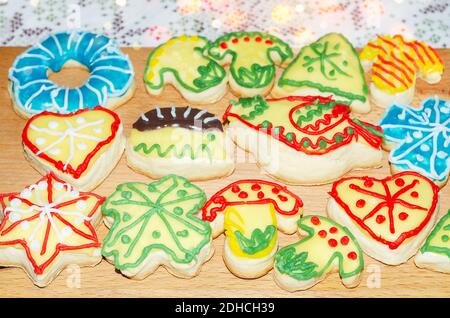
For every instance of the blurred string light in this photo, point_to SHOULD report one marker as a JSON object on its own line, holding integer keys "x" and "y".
{"x": 121, "y": 3}
{"x": 34, "y": 3}
{"x": 234, "y": 19}
{"x": 186, "y": 7}
{"x": 282, "y": 13}
{"x": 302, "y": 37}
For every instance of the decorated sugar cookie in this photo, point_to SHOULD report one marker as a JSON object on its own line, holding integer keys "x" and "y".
{"x": 251, "y": 212}
{"x": 251, "y": 57}
{"x": 110, "y": 83}
{"x": 390, "y": 217}
{"x": 435, "y": 252}
{"x": 48, "y": 226}
{"x": 181, "y": 140}
{"x": 419, "y": 139}
{"x": 154, "y": 224}
{"x": 395, "y": 64}
{"x": 325, "y": 247}
{"x": 303, "y": 139}
{"x": 181, "y": 63}
{"x": 81, "y": 148}
{"x": 328, "y": 67}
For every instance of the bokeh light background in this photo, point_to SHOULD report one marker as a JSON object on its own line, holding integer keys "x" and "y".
{"x": 150, "y": 22}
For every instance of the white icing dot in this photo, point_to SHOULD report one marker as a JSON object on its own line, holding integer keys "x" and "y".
{"x": 58, "y": 185}
{"x": 40, "y": 141}
{"x": 408, "y": 139}
{"x": 417, "y": 134}
{"x": 441, "y": 154}
{"x": 34, "y": 245}
{"x": 81, "y": 120}
{"x": 26, "y": 193}
{"x": 15, "y": 203}
{"x": 53, "y": 125}
{"x": 81, "y": 205}
{"x": 25, "y": 225}
{"x": 402, "y": 115}
{"x": 66, "y": 231}
{"x": 55, "y": 151}
{"x": 445, "y": 110}
{"x": 42, "y": 185}
{"x": 98, "y": 130}
{"x": 424, "y": 147}
{"x": 419, "y": 158}
{"x": 81, "y": 146}
{"x": 14, "y": 217}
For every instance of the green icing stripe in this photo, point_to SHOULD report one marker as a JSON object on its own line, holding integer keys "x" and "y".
{"x": 318, "y": 112}
{"x": 258, "y": 241}
{"x": 258, "y": 103}
{"x": 427, "y": 247}
{"x": 186, "y": 150}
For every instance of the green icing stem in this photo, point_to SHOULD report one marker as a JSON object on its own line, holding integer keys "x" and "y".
{"x": 427, "y": 247}
{"x": 258, "y": 241}
{"x": 296, "y": 266}
{"x": 111, "y": 208}
{"x": 186, "y": 150}
{"x": 258, "y": 75}
{"x": 209, "y": 76}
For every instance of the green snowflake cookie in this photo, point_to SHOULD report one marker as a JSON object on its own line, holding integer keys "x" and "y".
{"x": 328, "y": 66}
{"x": 252, "y": 57}
{"x": 154, "y": 224}
{"x": 325, "y": 247}
{"x": 181, "y": 62}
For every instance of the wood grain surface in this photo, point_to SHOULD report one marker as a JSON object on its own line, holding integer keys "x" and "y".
{"x": 214, "y": 279}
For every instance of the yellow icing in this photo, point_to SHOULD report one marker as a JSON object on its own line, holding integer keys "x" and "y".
{"x": 45, "y": 133}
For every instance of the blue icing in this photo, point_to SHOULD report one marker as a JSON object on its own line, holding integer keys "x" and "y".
{"x": 111, "y": 73}
{"x": 421, "y": 137}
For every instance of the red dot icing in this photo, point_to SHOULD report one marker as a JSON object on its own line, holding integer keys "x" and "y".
{"x": 352, "y": 255}
{"x": 260, "y": 195}
{"x": 246, "y": 39}
{"x": 403, "y": 216}
{"x": 345, "y": 240}
{"x": 414, "y": 194}
{"x": 323, "y": 233}
{"x": 360, "y": 203}
{"x": 258, "y": 39}
{"x": 235, "y": 40}
{"x": 380, "y": 219}
{"x": 243, "y": 195}
{"x": 269, "y": 42}
{"x": 275, "y": 191}
{"x": 235, "y": 188}
{"x": 333, "y": 230}
{"x": 256, "y": 187}
{"x": 282, "y": 198}
{"x": 315, "y": 220}
{"x": 332, "y": 242}
{"x": 223, "y": 45}
{"x": 368, "y": 183}
{"x": 400, "y": 182}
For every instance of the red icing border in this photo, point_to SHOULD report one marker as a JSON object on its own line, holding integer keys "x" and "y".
{"x": 76, "y": 173}
{"x": 218, "y": 198}
{"x": 339, "y": 110}
{"x": 39, "y": 269}
{"x": 403, "y": 236}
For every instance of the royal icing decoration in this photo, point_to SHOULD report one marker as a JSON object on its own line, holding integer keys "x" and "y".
{"x": 325, "y": 247}
{"x": 252, "y": 57}
{"x": 154, "y": 224}
{"x": 419, "y": 138}
{"x": 328, "y": 66}
{"x": 111, "y": 75}
{"x": 396, "y": 62}
{"x": 435, "y": 253}
{"x": 71, "y": 142}
{"x": 181, "y": 62}
{"x": 45, "y": 223}
{"x": 249, "y": 212}
{"x": 391, "y": 211}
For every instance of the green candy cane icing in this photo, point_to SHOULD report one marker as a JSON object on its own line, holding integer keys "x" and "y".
{"x": 252, "y": 56}
{"x": 439, "y": 239}
{"x": 315, "y": 254}
{"x": 155, "y": 217}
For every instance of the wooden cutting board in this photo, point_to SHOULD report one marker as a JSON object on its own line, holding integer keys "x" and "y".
{"x": 214, "y": 280}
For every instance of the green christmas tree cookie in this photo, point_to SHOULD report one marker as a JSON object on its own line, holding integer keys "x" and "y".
{"x": 154, "y": 224}
{"x": 329, "y": 66}
{"x": 252, "y": 57}
{"x": 325, "y": 247}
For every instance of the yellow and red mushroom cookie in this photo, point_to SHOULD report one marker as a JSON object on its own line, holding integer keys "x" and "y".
{"x": 250, "y": 212}
{"x": 325, "y": 247}
{"x": 81, "y": 147}
{"x": 395, "y": 64}
{"x": 303, "y": 139}
{"x": 390, "y": 217}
